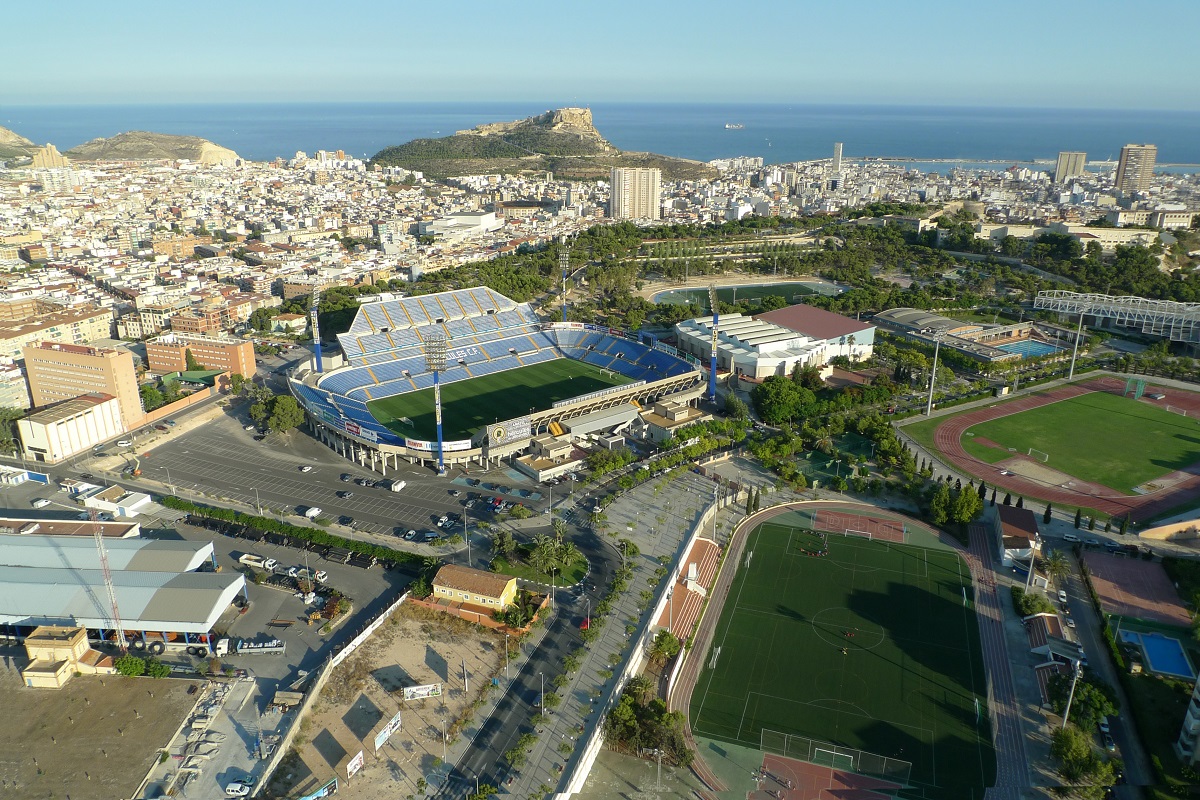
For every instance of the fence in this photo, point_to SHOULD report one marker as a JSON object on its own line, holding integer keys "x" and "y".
{"x": 314, "y": 690}
{"x": 590, "y": 748}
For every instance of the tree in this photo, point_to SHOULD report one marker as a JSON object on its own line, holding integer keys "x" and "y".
{"x": 664, "y": 647}
{"x": 982, "y": 493}
{"x": 503, "y": 543}
{"x": 735, "y": 407}
{"x": 641, "y": 688}
{"x": 130, "y": 665}
{"x": 286, "y": 413}
{"x": 1091, "y": 523}
{"x": 156, "y": 668}
{"x": 1078, "y": 764}
{"x": 259, "y": 412}
{"x": 1008, "y": 498}
{"x": 190, "y": 361}
{"x": 777, "y": 400}
{"x": 236, "y": 382}
{"x": 1047, "y": 515}
{"x": 939, "y": 506}
{"x": 1020, "y": 502}
{"x": 152, "y": 398}
{"x": 1124, "y": 524}
{"x": 1057, "y": 565}
{"x": 1093, "y": 699}
{"x": 1078, "y": 517}
{"x": 8, "y": 427}
{"x": 967, "y": 506}
{"x": 993, "y": 500}
{"x": 757, "y": 499}
{"x": 749, "y": 502}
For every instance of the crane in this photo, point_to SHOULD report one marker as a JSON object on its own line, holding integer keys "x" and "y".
{"x": 98, "y": 532}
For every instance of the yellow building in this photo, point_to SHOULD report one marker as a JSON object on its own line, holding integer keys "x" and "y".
{"x": 56, "y": 653}
{"x": 59, "y": 371}
{"x": 474, "y": 586}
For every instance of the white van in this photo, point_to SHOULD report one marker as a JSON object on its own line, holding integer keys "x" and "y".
{"x": 41, "y": 502}
{"x": 312, "y": 512}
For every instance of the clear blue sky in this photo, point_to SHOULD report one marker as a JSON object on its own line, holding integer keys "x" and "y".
{"x": 1068, "y": 53}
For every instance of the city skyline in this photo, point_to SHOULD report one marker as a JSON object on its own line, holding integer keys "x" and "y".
{"x": 365, "y": 52}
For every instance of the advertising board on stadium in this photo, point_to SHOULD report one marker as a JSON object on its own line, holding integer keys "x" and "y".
{"x": 422, "y": 692}
{"x": 350, "y": 427}
{"x": 431, "y": 447}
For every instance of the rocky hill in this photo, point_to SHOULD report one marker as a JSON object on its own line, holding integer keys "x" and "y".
{"x": 563, "y": 141}
{"x": 145, "y": 146}
{"x": 14, "y": 145}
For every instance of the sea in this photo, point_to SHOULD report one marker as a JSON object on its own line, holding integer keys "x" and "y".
{"x": 931, "y": 138}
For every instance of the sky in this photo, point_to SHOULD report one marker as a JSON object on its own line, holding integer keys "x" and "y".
{"x": 1105, "y": 54}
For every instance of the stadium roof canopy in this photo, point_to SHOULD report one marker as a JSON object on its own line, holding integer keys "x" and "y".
{"x": 189, "y": 602}
{"x": 74, "y": 553}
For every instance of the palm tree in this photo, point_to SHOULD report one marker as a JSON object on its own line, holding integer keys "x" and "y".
{"x": 640, "y": 687}
{"x": 568, "y": 555}
{"x": 1057, "y": 566}
{"x": 430, "y": 565}
{"x": 542, "y": 556}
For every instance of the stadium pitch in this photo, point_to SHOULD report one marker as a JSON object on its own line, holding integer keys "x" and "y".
{"x": 873, "y": 646}
{"x": 469, "y": 405}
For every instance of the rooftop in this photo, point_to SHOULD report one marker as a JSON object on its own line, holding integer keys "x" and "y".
{"x": 475, "y": 581}
{"x": 68, "y": 408}
{"x": 814, "y": 322}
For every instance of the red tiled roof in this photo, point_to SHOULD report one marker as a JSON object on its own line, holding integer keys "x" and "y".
{"x": 814, "y": 322}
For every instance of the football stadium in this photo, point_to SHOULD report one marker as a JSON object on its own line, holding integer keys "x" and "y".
{"x": 507, "y": 377}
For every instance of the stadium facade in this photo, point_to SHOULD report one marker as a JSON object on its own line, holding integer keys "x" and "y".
{"x": 487, "y": 334}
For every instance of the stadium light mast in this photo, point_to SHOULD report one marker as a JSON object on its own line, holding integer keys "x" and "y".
{"x": 1078, "y": 333}
{"x": 316, "y": 330}
{"x": 564, "y": 263}
{"x": 435, "y": 362}
{"x": 937, "y": 345}
{"x": 712, "y": 362}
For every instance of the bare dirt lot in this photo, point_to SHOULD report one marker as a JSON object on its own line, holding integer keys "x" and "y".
{"x": 416, "y": 646}
{"x": 94, "y": 739}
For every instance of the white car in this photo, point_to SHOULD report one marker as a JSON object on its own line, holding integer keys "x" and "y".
{"x": 238, "y": 789}
{"x": 124, "y": 443}
{"x": 306, "y": 468}
{"x": 321, "y": 576}
{"x": 248, "y": 427}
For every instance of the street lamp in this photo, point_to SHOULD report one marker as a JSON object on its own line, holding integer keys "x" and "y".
{"x": 506, "y": 656}
{"x": 257, "y": 504}
{"x": 1071, "y": 696}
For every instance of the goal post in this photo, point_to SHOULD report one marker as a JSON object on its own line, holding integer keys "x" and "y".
{"x": 1177, "y": 410}
{"x": 1040, "y": 455}
{"x": 858, "y": 533}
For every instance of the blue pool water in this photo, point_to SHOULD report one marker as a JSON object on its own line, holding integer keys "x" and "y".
{"x": 1029, "y": 348}
{"x": 1164, "y": 654}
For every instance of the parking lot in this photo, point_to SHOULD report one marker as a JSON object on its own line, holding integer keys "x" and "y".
{"x": 222, "y": 459}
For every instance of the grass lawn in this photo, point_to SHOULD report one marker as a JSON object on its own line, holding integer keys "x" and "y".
{"x": 907, "y": 684}
{"x": 1114, "y": 441}
{"x": 518, "y": 568}
{"x": 469, "y": 405}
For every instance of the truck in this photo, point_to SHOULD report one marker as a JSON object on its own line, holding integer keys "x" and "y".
{"x": 257, "y": 562}
{"x": 227, "y": 646}
{"x": 396, "y": 486}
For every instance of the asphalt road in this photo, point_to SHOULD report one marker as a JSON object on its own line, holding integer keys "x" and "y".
{"x": 485, "y": 758}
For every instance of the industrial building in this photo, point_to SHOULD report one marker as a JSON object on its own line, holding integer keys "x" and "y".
{"x": 75, "y": 426}
{"x": 166, "y": 591}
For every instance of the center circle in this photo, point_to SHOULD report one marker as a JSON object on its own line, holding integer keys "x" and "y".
{"x": 842, "y": 628}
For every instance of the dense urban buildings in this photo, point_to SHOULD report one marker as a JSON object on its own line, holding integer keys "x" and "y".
{"x": 1135, "y": 170}
{"x": 59, "y": 372}
{"x": 636, "y": 193}
{"x": 169, "y": 353}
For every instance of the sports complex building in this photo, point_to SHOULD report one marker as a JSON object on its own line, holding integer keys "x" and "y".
{"x": 982, "y": 342}
{"x": 508, "y": 377}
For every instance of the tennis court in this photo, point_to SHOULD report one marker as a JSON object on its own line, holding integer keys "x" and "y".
{"x": 873, "y": 645}
{"x": 468, "y": 405}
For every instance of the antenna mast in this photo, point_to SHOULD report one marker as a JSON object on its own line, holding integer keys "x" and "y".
{"x": 712, "y": 364}
{"x": 316, "y": 330}
{"x": 98, "y": 532}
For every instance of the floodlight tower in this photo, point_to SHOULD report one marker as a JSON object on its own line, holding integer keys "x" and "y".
{"x": 564, "y": 262}
{"x": 712, "y": 363}
{"x": 435, "y": 362}
{"x": 316, "y": 330}
{"x": 98, "y": 532}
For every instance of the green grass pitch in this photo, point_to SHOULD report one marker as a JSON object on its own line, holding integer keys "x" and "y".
{"x": 1115, "y": 441}
{"x": 907, "y": 685}
{"x": 468, "y": 405}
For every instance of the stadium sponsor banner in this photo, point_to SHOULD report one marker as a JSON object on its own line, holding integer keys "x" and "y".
{"x": 513, "y": 430}
{"x": 459, "y": 355}
{"x": 431, "y": 447}
{"x": 355, "y": 764}
{"x": 601, "y": 393}
{"x": 354, "y": 429}
{"x": 385, "y": 734}
{"x": 423, "y": 691}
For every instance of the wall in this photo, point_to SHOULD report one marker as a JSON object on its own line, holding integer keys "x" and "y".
{"x": 1173, "y": 532}
{"x": 162, "y": 412}
{"x": 478, "y": 617}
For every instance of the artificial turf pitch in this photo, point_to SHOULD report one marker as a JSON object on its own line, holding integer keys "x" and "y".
{"x": 468, "y": 405}
{"x": 906, "y": 687}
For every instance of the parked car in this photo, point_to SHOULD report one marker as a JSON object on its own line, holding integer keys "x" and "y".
{"x": 345, "y": 495}
{"x": 455, "y": 493}
{"x": 409, "y": 535}
{"x": 1070, "y": 622}
{"x": 1062, "y": 596}
{"x": 306, "y": 468}
{"x": 1109, "y": 744}
{"x": 124, "y": 443}
{"x": 247, "y": 427}
{"x": 171, "y": 423}
{"x": 469, "y": 504}
{"x": 1104, "y": 726}
{"x": 238, "y": 789}
{"x": 161, "y": 428}
{"x": 1070, "y": 537}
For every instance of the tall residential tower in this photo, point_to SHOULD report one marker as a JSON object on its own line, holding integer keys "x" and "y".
{"x": 635, "y": 193}
{"x": 1136, "y": 168}
{"x": 1070, "y": 165}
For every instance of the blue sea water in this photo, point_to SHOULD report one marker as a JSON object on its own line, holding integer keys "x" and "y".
{"x": 778, "y": 133}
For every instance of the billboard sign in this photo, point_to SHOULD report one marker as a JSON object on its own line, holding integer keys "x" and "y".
{"x": 392, "y": 726}
{"x": 355, "y": 765}
{"x": 422, "y": 692}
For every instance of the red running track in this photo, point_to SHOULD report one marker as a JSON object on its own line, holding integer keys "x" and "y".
{"x": 948, "y": 440}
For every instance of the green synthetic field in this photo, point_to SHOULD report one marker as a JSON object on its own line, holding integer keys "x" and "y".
{"x": 1117, "y": 442}
{"x": 905, "y": 689}
{"x": 468, "y": 405}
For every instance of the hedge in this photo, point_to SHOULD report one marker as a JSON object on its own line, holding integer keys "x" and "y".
{"x": 269, "y": 525}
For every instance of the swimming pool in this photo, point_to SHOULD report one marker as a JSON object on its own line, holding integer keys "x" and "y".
{"x": 1164, "y": 654}
{"x": 1029, "y": 348}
